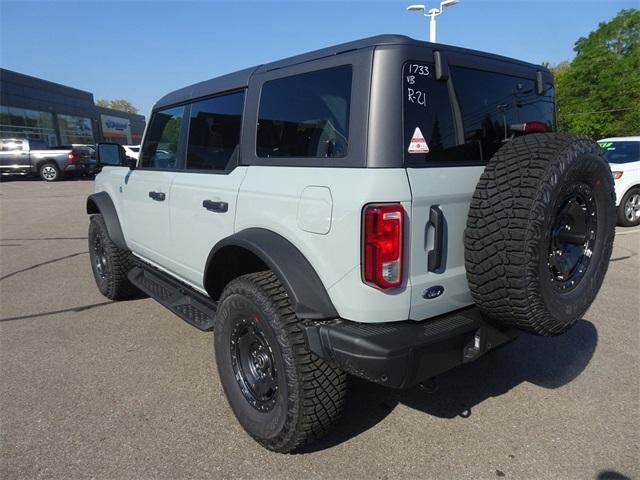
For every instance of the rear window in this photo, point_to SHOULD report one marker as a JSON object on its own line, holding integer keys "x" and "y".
{"x": 429, "y": 134}
{"x": 621, "y": 152}
{"x": 495, "y": 107}
{"x": 305, "y": 115}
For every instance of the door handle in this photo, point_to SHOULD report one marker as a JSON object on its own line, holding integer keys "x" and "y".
{"x": 219, "y": 207}
{"x": 157, "y": 196}
{"x": 436, "y": 220}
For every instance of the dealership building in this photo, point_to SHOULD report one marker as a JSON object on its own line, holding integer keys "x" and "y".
{"x": 34, "y": 108}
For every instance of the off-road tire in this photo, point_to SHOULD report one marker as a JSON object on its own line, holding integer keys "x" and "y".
{"x": 310, "y": 393}
{"x": 113, "y": 282}
{"x": 49, "y": 172}
{"x": 510, "y": 228}
{"x": 622, "y": 218}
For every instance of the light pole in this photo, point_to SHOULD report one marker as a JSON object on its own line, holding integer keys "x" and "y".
{"x": 432, "y": 14}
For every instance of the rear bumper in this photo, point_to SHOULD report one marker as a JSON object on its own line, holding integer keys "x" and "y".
{"x": 402, "y": 354}
{"x": 78, "y": 168}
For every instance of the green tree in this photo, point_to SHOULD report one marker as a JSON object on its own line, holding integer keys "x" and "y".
{"x": 598, "y": 93}
{"x": 117, "y": 104}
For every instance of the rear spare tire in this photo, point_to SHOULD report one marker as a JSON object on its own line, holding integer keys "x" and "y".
{"x": 540, "y": 232}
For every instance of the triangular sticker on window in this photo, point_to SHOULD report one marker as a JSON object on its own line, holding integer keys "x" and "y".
{"x": 418, "y": 143}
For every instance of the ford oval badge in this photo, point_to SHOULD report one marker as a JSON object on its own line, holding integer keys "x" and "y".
{"x": 433, "y": 292}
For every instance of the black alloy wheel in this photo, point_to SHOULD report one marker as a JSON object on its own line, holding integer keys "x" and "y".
{"x": 100, "y": 258}
{"x": 573, "y": 237}
{"x": 253, "y": 364}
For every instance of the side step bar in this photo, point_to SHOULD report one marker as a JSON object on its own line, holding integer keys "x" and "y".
{"x": 192, "y": 306}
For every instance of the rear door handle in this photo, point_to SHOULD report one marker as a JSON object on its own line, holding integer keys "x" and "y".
{"x": 219, "y": 207}
{"x": 436, "y": 220}
{"x": 157, "y": 196}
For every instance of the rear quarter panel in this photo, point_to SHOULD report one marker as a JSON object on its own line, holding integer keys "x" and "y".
{"x": 276, "y": 198}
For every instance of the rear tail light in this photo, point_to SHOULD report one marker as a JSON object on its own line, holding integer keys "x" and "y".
{"x": 531, "y": 127}
{"x": 382, "y": 244}
{"x": 72, "y": 157}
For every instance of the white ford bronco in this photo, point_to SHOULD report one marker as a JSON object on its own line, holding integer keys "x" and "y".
{"x": 386, "y": 208}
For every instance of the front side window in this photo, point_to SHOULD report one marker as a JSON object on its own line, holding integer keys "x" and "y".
{"x": 214, "y": 132}
{"x": 305, "y": 115}
{"x": 160, "y": 148}
{"x": 496, "y": 107}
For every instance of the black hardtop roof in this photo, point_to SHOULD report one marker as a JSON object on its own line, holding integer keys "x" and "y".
{"x": 240, "y": 79}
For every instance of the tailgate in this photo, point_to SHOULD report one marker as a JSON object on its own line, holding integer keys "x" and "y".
{"x": 448, "y": 190}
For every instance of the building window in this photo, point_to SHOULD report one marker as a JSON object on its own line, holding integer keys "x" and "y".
{"x": 25, "y": 123}
{"x": 75, "y": 130}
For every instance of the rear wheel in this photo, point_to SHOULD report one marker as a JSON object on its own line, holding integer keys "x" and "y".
{"x": 49, "y": 172}
{"x": 281, "y": 393}
{"x": 540, "y": 232}
{"x": 629, "y": 209}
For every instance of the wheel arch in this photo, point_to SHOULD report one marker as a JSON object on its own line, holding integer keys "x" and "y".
{"x": 101, "y": 203}
{"x": 256, "y": 249}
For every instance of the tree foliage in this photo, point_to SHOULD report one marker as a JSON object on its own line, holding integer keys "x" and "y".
{"x": 117, "y": 104}
{"x": 598, "y": 93}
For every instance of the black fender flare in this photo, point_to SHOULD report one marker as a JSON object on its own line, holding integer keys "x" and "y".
{"x": 101, "y": 203}
{"x": 307, "y": 294}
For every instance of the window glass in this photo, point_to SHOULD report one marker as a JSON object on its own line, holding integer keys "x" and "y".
{"x": 214, "y": 132}
{"x": 429, "y": 134}
{"x": 160, "y": 148}
{"x": 75, "y": 129}
{"x": 10, "y": 145}
{"x": 305, "y": 115}
{"x": 621, "y": 152}
{"x": 496, "y": 106}
{"x": 25, "y": 123}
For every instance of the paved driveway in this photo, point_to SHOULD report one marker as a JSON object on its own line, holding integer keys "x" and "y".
{"x": 91, "y": 388}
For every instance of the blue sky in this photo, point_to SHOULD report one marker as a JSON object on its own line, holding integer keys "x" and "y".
{"x": 143, "y": 49}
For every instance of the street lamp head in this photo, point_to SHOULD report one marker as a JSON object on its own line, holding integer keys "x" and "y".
{"x": 449, "y": 3}
{"x": 415, "y": 8}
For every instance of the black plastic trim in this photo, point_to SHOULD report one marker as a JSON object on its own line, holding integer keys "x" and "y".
{"x": 307, "y": 294}
{"x": 402, "y": 354}
{"x": 101, "y": 203}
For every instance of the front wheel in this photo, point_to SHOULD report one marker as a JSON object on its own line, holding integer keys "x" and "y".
{"x": 110, "y": 264}
{"x": 629, "y": 209}
{"x": 282, "y": 394}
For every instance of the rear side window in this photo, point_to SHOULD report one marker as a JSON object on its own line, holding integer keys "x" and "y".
{"x": 495, "y": 107}
{"x": 160, "y": 148}
{"x": 10, "y": 145}
{"x": 621, "y": 151}
{"x": 305, "y": 115}
{"x": 429, "y": 134}
{"x": 214, "y": 132}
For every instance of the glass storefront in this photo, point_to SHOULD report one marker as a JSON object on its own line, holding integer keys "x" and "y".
{"x": 25, "y": 123}
{"x": 75, "y": 130}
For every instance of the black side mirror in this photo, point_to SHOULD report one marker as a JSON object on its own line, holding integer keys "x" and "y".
{"x": 111, "y": 155}
{"x": 132, "y": 163}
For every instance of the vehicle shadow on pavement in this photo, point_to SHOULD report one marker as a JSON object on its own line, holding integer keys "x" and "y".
{"x": 546, "y": 362}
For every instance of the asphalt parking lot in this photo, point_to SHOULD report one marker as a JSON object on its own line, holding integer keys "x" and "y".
{"x": 92, "y": 388}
